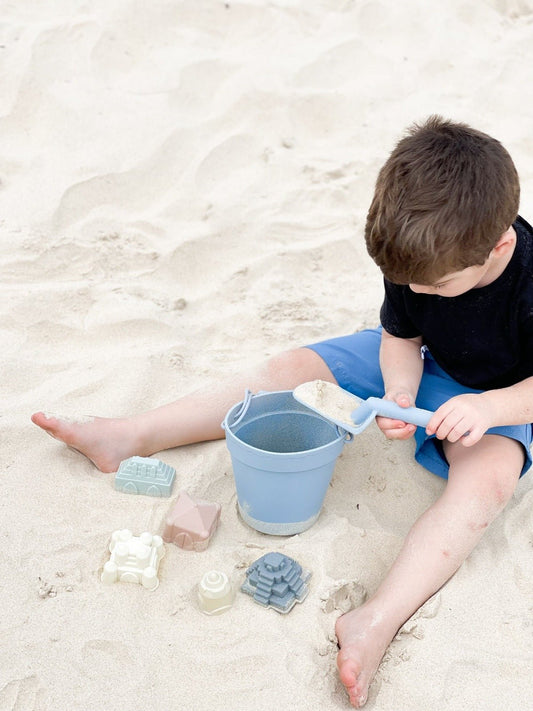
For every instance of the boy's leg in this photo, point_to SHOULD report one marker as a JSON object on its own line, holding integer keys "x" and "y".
{"x": 193, "y": 418}
{"x": 481, "y": 480}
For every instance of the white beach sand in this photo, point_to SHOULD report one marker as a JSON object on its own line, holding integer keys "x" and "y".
{"x": 183, "y": 188}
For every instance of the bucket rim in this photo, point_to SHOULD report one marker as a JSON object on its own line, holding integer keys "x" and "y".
{"x": 226, "y": 426}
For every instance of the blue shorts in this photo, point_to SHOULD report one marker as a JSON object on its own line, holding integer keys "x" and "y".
{"x": 354, "y": 362}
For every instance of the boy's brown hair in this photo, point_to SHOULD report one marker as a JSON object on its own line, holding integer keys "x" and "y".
{"x": 442, "y": 201}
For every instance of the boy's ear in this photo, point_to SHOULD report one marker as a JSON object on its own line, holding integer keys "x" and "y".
{"x": 506, "y": 242}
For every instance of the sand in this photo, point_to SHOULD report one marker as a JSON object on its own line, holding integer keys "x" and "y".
{"x": 329, "y": 400}
{"x": 183, "y": 188}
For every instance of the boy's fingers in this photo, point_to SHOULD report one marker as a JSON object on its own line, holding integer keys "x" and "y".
{"x": 471, "y": 438}
{"x": 402, "y": 433}
{"x": 453, "y": 432}
{"x": 398, "y": 430}
{"x": 446, "y": 426}
{"x": 387, "y": 423}
{"x": 403, "y": 400}
{"x": 437, "y": 420}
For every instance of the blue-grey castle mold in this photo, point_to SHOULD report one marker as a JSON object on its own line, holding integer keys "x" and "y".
{"x": 276, "y": 581}
{"x": 145, "y": 475}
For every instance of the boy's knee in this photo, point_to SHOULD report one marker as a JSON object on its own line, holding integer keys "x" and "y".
{"x": 500, "y": 485}
{"x": 490, "y": 469}
{"x": 298, "y": 365}
{"x": 505, "y": 468}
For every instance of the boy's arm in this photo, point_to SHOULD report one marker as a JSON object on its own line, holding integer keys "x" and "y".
{"x": 401, "y": 367}
{"x": 475, "y": 413}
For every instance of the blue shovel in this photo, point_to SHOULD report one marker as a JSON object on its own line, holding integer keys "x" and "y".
{"x": 350, "y": 412}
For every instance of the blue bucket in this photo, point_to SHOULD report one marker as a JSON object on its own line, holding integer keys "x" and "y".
{"x": 283, "y": 456}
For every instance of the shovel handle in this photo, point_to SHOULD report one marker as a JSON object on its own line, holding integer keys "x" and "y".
{"x": 388, "y": 408}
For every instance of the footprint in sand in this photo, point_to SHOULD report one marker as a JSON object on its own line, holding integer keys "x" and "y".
{"x": 413, "y": 625}
{"x": 116, "y": 654}
{"x": 514, "y": 8}
{"x": 21, "y": 694}
{"x": 344, "y": 596}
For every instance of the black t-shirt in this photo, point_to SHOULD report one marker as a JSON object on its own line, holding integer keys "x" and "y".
{"x": 483, "y": 338}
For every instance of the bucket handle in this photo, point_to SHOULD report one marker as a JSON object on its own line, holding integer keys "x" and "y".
{"x": 248, "y": 395}
{"x": 348, "y": 436}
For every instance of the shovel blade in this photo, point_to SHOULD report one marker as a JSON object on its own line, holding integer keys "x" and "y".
{"x": 350, "y": 412}
{"x": 334, "y": 403}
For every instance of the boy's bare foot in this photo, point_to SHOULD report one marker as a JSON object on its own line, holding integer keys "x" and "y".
{"x": 363, "y": 635}
{"x": 106, "y": 442}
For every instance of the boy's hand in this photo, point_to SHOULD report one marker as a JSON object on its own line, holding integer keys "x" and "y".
{"x": 396, "y": 429}
{"x": 466, "y": 416}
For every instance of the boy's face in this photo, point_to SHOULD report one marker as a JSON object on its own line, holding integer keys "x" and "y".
{"x": 456, "y": 283}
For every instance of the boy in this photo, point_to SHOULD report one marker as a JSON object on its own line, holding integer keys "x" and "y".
{"x": 456, "y": 337}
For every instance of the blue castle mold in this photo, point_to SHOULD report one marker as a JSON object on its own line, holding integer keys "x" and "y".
{"x": 145, "y": 475}
{"x": 276, "y": 581}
